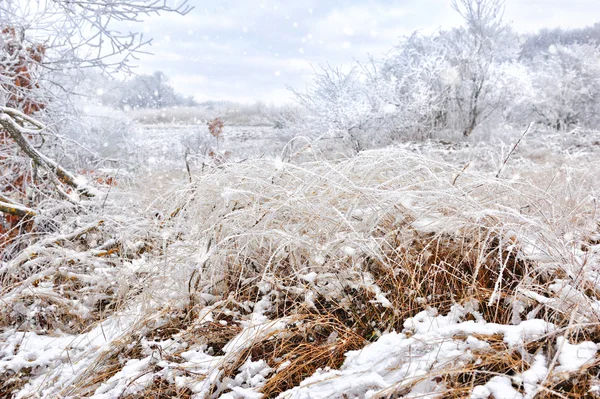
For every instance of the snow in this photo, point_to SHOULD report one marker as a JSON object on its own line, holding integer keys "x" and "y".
{"x": 408, "y": 360}
{"x": 132, "y": 378}
{"x": 450, "y": 76}
{"x": 258, "y": 326}
{"x": 63, "y": 356}
{"x": 349, "y": 251}
{"x": 254, "y": 332}
{"x": 536, "y": 374}
{"x": 310, "y": 277}
{"x": 428, "y": 345}
{"x": 574, "y": 357}
{"x": 390, "y": 109}
{"x": 499, "y": 387}
{"x": 34, "y": 351}
{"x": 246, "y": 384}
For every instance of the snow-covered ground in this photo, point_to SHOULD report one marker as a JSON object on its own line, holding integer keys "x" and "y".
{"x": 426, "y": 269}
{"x": 163, "y": 146}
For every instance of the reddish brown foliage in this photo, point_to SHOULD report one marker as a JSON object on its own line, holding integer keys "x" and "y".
{"x": 215, "y": 127}
{"x": 218, "y": 157}
{"x": 18, "y": 60}
{"x": 102, "y": 179}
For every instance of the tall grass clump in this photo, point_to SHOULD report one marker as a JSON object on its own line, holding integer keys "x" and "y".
{"x": 344, "y": 251}
{"x": 290, "y": 279}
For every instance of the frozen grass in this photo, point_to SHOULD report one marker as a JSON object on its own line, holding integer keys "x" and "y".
{"x": 232, "y": 114}
{"x": 388, "y": 274}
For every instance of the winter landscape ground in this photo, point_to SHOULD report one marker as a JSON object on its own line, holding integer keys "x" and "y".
{"x": 409, "y": 271}
{"x": 421, "y": 226}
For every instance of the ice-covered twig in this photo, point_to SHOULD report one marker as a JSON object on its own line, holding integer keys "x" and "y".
{"x": 9, "y": 120}
{"x": 12, "y": 208}
{"x": 513, "y": 149}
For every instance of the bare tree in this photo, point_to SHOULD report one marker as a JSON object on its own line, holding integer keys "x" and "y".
{"x": 146, "y": 91}
{"x": 42, "y": 44}
{"x": 52, "y": 37}
{"x": 476, "y": 47}
{"x": 566, "y": 82}
{"x": 483, "y": 17}
{"x": 339, "y": 99}
{"x": 420, "y": 81}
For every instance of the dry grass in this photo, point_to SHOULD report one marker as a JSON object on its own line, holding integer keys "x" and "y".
{"x": 384, "y": 224}
{"x": 307, "y": 346}
{"x": 104, "y": 367}
{"x": 161, "y": 389}
{"x": 498, "y": 360}
{"x": 343, "y": 252}
{"x": 440, "y": 268}
{"x": 12, "y": 382}
{"x": 70, "y": 281}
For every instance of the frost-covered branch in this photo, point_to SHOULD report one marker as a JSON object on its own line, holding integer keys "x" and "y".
{"x": 12, "y": 208}
{"x": 9, "y": 119}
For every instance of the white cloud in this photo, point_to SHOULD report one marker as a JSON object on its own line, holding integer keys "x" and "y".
{"x": 233, "y": 49}
{"x": 533, "y": 15}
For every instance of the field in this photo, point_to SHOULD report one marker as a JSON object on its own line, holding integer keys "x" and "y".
{"x": 291, "y": 270}
{"x": 420, "y": 222}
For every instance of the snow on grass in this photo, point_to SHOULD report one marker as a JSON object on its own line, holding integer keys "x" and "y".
{"x": 573, "y": 357}
{"x": 426, "y": 349}
{"x": 388, "y": 273}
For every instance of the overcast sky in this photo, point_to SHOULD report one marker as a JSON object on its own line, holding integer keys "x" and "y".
{"x": 248, "y": 50}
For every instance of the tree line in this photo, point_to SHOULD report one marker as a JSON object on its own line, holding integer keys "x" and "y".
{"x": 462, "y": 79}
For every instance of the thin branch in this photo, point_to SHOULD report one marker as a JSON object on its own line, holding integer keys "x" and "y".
{"x": 513, "y": 149}
{"x": 8, "y": 120}
{"x": 12, "y": 208}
